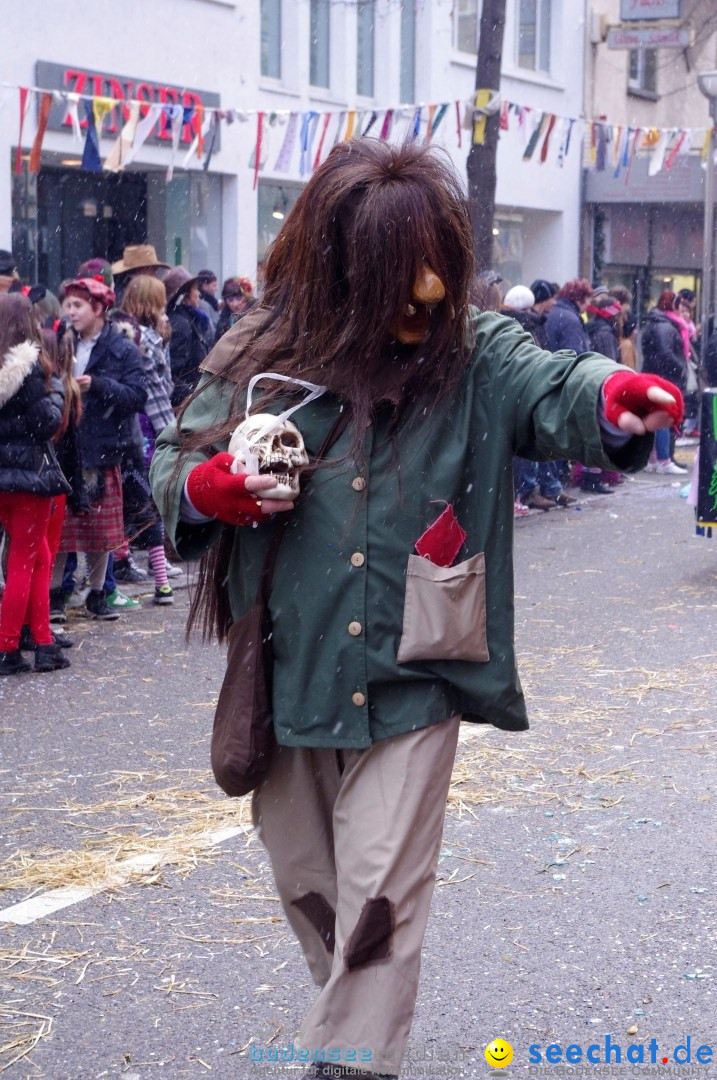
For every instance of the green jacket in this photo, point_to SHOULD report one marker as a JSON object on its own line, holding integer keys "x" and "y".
{"x": 338, "y": 621}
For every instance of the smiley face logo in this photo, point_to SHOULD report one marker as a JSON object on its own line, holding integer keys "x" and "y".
{"x": 499, "y": 1053}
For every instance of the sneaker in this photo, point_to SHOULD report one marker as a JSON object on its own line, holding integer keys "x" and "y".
{"x": 12, "y": 662}
{"x": 50, "y": 658}
{"x": 172, "y": 570}
{"x": 519, "y": 510}
{"x": 57, "y": 606}
{"x": 98, "y": 608}
{"x": 163, "y": 595}
{"x": 693, "y": 433}
{"x": 651, "y": 466}
{"x": 121, "y": 602}
{"x": 127, "y": 571}
{"x": 670, "y": 468}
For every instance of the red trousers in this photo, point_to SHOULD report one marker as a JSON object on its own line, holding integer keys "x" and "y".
{"x": 27, "y": 587}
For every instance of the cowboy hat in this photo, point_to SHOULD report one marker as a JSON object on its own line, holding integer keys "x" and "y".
{"x": 137, "y": 257}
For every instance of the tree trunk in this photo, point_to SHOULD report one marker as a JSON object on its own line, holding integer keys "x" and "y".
{"x": 481, "y": 166}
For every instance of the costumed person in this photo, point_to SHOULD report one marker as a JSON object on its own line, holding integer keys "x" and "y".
{"x": 237, "y": 299}
{"x": 108, "y": 371}
{"x": 665, "y": 347}
{"x": 31, "y": 405}
{"x": 381, "y": 641}
{"x": 192, "y": 334}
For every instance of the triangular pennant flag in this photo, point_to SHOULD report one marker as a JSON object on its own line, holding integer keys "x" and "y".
{"x": 23, "y": 110}
{"x": 100, "y": 107}
{"x": 339, "y": 125}
{"x": 350, "y": 125}
{"x": 73, "y": 100}
{"x": 534, "y": 138}
{"x": 192, "y": 151}
{"x": 199, "y": 136}
{"x": 117, "y": 157}
{"x": 257, "y": 149}
{"x": 548, "y": 133}
{"x": 91, "y": 154}
{"x": 36, "y": 152}
{"x": 659, "y": 149}
{"x": 144, "y": 129}
{"x": 601, "y": 150}
{"x": 682, "y": 135}
{"x": 442, "y": 109}
{"x": 284, "y": 159}
{"x": 386, "y": 125}
{"x": 324, "y": 126}
{"x": 372, "y": 120}
{"x": 176, "y": 123}
{"x": 214, "y": 121}
{"x": 416, "y": 124}
{"x": 429, "y": 125}
{"x": 308, "y": 130}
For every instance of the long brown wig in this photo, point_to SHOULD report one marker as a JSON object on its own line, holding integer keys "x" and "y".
{"x": 59, "y": 347}
{"x": 17, "y": 324}
{"x": 340, "y": 273}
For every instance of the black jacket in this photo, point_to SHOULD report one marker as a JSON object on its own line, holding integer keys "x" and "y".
{"x": 189, "y": 345}
{"x": 711, "y": 361}
{"x": 603, "y": 338}
{"x": 30, "y": 414}
{"x": 662, "y": 350}
{"x": 531, "y": 321}
{"x": 107, "y": 428}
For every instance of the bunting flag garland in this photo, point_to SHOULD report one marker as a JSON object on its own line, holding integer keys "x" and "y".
{"x": 36, "y": 152}
{"x": 117, "y": 156}
{"x": 23, "y": 110}
{"x": 545, "y": 137}
{"x": 91, "y": 153}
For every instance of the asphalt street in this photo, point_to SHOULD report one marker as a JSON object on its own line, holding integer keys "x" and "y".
{"x": 577, "y": 890}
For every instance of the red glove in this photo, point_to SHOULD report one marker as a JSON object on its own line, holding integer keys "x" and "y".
{"x": 219, "y": 493}
{"x": 628, "y": 391}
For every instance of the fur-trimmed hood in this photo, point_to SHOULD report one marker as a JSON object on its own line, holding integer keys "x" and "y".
{"x": 16, "y": 365}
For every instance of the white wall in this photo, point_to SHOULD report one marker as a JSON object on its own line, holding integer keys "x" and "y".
{"x": 214, "y": 45}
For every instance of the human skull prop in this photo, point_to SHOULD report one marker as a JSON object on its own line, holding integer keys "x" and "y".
{"x": 267, "y": 446}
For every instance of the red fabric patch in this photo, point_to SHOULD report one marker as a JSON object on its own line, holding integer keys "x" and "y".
{"x": 442, "y": 540}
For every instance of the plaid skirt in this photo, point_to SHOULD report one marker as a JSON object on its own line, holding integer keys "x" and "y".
{"x": 103, "y": 528}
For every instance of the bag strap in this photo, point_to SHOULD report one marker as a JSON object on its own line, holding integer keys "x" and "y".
{"x": 267, "y": 573}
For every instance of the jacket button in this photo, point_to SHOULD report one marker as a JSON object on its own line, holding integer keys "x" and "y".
{"x": 355, "y": 628}
{"x": 357, "y": 559}
{"x": 358, "y": 484}
{"x": 358, "y": 699}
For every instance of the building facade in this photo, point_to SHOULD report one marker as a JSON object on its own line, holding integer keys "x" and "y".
{"x": 350, "y": 59}
{"x": 646, "y": 231}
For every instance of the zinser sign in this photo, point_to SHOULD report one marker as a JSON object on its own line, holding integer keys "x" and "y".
{"x": 122, "y": 88}
{"x": 639, "y": 10}
{"x": 620, "y": 37}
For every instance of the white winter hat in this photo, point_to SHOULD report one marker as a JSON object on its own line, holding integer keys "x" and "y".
{"x": 519, "y": 298}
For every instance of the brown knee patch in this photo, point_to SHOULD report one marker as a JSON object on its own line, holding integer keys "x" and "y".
{"x": 321, "y": 915}
{"x": 370, "y": 943}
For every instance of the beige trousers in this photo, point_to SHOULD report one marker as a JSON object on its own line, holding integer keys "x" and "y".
{"x": 354, "y": 838}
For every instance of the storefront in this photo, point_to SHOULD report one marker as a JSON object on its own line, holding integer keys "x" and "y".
{"x": 646, "y": 232}
{"x": 64, "y": 214}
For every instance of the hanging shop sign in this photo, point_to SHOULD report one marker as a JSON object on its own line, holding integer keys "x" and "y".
{"x": 651, "y": 10}
{"x": 123, "y": 89}
{"x": 621, "y": 37}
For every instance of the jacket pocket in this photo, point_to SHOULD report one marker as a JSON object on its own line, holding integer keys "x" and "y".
{"x": 444, "y": 614}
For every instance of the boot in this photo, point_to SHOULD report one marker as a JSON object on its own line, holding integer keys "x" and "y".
{"x": 13, "y": 662}
{"x": 591, "y": 482}
{"x": 57, "y": 606}
{"x": 50, "y": 658}
{"x": 27, "y": 641}
{"x": 97, "y": 606}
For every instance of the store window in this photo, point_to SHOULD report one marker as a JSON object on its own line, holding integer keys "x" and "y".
{"x": 365, "y": 47}
{"x": 465, "y": 26}
{"x": 275, "y": 202}
{"x": 508, "y": 248}
{"x": 408, "y": 51}
{"x": 534, "y": 27}
{"x": 320, "y": 43}
{"x": 271, "y": 38}
{"x": 642, "y": 72}
{"x": 62, "y": 216}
